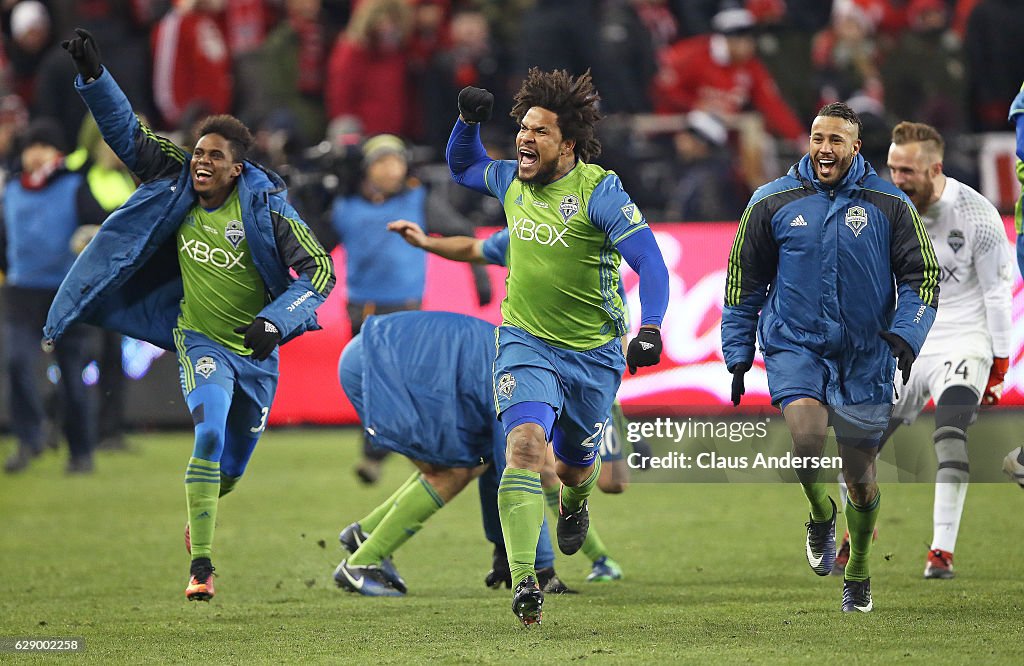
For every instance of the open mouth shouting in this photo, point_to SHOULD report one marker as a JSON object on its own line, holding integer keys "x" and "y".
{"x": 826, "y": 167}
{"x": 527, "y": 158}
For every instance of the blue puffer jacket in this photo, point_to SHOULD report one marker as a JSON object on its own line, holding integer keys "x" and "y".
{"x": 818, "y": 269}
{"x": 128, "y": 278}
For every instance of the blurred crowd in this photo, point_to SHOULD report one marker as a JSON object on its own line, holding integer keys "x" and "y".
{"x": 352, "y": 102}
{"x": 704, "y": 98}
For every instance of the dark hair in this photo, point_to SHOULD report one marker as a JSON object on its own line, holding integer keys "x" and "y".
{"x": 908, "y": 132}
{"x": 234, "y": 130}
{"x": 573, "y": 100}
{"x": 841, "y": 110}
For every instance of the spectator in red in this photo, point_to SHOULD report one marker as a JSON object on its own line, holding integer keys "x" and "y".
{"x": 721, "y": 74}
{"x": 191, "y": 63}
{"x": 368, "y": 67}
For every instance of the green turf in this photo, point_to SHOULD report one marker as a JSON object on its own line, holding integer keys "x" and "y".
{"x": 714, "y": 572}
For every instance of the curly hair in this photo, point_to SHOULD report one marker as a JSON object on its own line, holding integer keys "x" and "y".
{"x": 573, "y": 99}
{"x": 234, "y": 130}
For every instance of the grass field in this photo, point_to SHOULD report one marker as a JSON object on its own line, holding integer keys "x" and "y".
{"x": 714, "y": 572}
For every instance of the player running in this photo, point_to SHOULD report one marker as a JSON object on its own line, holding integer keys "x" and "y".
{"x": 614, "y": 470}
{"x": 559, "y": 361}
{"x": 966, "y": 355}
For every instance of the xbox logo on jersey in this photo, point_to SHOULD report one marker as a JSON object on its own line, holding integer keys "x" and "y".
{"x": 526, "y": 229}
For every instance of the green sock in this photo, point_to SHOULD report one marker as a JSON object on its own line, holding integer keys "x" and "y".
{"x": 418, "y": 502}
{"x": 573, "y": 498}
{"x": 227, "y": 483}
{"x": 551, "y": 499}
{"x": 817, "y": 495}
{"x": 521, "y": 507}
{"x": 860, "y": 520}
{"x": 370, "y": 522}
{"x": 592, "y": 546}
{"x": 202, "y": 488}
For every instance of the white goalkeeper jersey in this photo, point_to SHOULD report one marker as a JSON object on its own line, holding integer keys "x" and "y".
{"x": 976, "y": 284}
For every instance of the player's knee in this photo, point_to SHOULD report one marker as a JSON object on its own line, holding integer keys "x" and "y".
{"x": 956, "y": 408}
{"x": 526, "y": 446}
{"x": 209, "y": 442}
{"x": 612, "y": 486}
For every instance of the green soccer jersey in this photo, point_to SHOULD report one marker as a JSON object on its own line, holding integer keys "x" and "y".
{"x": 223, "y": 289}
{"x": 563, "y": 268}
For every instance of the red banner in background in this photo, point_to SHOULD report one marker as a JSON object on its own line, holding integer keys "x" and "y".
{"x": 691, "y": 372}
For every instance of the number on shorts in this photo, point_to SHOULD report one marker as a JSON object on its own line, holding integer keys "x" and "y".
{"x": 589, "y": 442}
{"x": 263, "y": 421}
{"x": 961, "y": 369}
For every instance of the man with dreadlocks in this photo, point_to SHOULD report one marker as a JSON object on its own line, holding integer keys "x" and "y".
{"x": 559, "y": 361}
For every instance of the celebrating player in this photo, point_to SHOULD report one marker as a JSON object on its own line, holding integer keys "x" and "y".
{"x": 558, "y": 358}
{"x": 818, "y": 259}
{"x": 224, "y": 303}
{"x": 420, "y": 382}
{"x": 614, "y": 470}
{"x": 965, "y": 357}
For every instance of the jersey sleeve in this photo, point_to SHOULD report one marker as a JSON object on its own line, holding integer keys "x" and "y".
{"x": 612, "y": 211}
{"x": 495, "y": 248}
{"x": 498, "y": 177}
{"x": 994, "y": 266}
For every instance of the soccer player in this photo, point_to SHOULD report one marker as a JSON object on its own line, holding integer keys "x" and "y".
{"x": 614, "y": 470}
{"x": 1013, "y": 464}
{"x": 966, "y": 355}
{"x": 559, "y": 360}
{"x": 819, "y": 258}
{"x": 420, "y": 382}
{"x": 198, "y": 261}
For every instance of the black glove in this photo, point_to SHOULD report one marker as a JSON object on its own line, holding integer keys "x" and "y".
{"x": 902, "y": 351}
{"x": 499, "y": 573}
{"x": 261, "y": 336}
{"x": 738, "y": 389}
{"x": 475, "y": 104}
{"x": 644, "y": 349}
{"x": 86, "y": 54}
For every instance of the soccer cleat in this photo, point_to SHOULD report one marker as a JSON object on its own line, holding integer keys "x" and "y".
{"x": 353, "y": 536}
{"x": 499, "y": 574}
{"x": 572, "y": 526}
{"x": 604, "y": 570}
{"x": 940, "y": 564}
{"x": 369, "y": 580}
{"x": 1013, "y": 465}
{"x": 857, "y": 596}
{"x": 821, "y": 544}
{"x": 200, "y": 582}
{"x": 527, "y": 601}
{"x": 549, "y": 582}
{"x": 368, "y": 471}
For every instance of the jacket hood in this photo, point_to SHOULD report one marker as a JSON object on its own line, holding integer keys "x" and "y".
{"x": 258, "y": 178}
{"x": 859, "y": 170}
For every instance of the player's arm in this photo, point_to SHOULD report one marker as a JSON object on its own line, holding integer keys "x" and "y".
{"x": 752, "y": 266}
{"x": 916, "y": 271}
{"x": 994, "y": 266}
{"x": 301, "y": 252}
{"x": 147, "y": 155}
{"x": 455, "y": 248}
{"x": 611, "y": 210}
{"x": 466, "y": 157}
